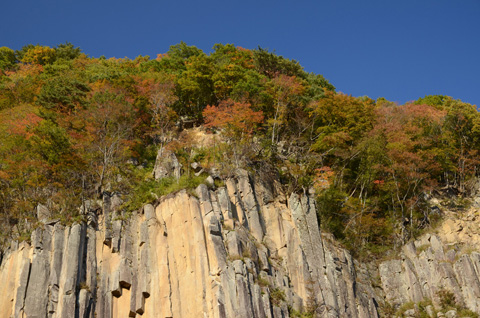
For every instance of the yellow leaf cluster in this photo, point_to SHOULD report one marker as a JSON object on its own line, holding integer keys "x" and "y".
{"x": 39, "y": 55}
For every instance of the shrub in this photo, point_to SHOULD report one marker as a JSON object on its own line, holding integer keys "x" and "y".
{"x": 149, "y": 190}
{"x": 300, "y": 314}
{"x": 262, "y": 282}
{"x": 447, "y": 298}
{"x": 277, "y": 296}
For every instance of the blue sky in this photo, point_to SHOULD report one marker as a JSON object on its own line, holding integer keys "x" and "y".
{"x": 400, "y": 50}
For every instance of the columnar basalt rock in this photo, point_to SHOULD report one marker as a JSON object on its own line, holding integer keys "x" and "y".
{"x": 236, "y": 251}
{"x": 428, "y": 266}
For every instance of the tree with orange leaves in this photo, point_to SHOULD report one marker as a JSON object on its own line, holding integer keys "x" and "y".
{"x": 236, "y": 118}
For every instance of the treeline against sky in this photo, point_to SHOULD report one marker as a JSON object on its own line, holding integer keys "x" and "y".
{"x": 73, "y": 126}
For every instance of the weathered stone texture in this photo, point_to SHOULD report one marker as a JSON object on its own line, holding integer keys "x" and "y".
{"x": 425, "y": 267}
{"x": 166, "y": 165}
{"x": 235, "y": 251}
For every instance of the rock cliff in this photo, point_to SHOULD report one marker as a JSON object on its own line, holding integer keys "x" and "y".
{"x": 445, "y": 261}
{"x": 240, "y": 250}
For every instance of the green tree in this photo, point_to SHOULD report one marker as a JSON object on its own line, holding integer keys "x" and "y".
{"x": 63, "y": 94}
{"x": 271, "y": 65}
{"x": 20, "y": 85}
{"x": 460, "y": 139}
{"x": 341, "y": 121}
{"x": 67, "y": 51}
{"x": 174, "y": 61}
{"x": 231, "y": 67}
{"x": 7, "y": 58}
{"x": 195, "y": 88}
{"x": 51, "y": 142}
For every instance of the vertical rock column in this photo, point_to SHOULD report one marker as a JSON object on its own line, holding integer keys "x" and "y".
{"x": 37, "y": 293}
{"x": 72, "y": 268}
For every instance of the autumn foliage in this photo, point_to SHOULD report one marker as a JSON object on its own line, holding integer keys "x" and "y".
{"x": 236, "y": 118}
{"x": 74, "y": 127}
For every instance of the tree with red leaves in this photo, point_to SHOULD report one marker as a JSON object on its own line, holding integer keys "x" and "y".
{"x": 236, "y": 118}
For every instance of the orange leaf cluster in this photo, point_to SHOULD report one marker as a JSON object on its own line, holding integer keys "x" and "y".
{"x": 323, "y": 178}
{"x": 236, "y": 118}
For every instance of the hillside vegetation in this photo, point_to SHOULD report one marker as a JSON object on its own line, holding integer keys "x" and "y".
{"x": 74, "y": 126}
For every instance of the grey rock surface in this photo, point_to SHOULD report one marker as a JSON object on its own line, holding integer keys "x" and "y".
{"x": 425, "y": 268}
{"x": 236, "y": 251}
{"x": 166, "y": 165}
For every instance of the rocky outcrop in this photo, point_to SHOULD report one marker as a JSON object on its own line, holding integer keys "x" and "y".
{"x": 238, "y": 251}
{"x": 428, "y": 266}
{"x": 447, "y": 261}
{"x": 241, "y": 250}
{"x": 166, "y": 165}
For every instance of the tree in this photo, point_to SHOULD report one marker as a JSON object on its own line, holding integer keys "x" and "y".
{"x": 20, "y": 85}
{"x": 23, "y": 175}
{"x": 7, "y": 58}
{"x": 160, "y": 93}
{"x": 411, "y": 134}
{"x": 67, "y": 51}
{"x": 272, "y": 65}
{"x": 461, "y": 137}
{"x": 236, "y": 118}
{"x": 231, "y": 67}
{"x": 433, "y": 100}
{"x": 340, "y": 121}
{"x": 108, "y": 125}
{"x": 63, "y": 94}
{"x": 318, "y": 85}
{"x": 462, "y": 130}
{"x": 195, "y": 87}
{"x": 51, "y": 141}
{"x": 285, "y": 90}
{"x": 174, "y": 60}
{"x": 39, "y": 54}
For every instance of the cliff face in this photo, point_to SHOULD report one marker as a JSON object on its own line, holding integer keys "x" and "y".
{"x": 448, "y": 261}
{"x": 238, "y": 251}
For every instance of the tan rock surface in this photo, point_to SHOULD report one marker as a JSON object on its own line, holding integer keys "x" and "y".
{"x": 233, "y": 252}
{"x": 447, "y": 260}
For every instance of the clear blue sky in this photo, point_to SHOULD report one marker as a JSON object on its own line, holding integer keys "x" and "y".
{"x": 400, "y": 50}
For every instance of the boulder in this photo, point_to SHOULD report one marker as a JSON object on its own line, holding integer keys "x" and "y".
{"x": 166, "y": 165}
{"x": 43, "y": 213}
